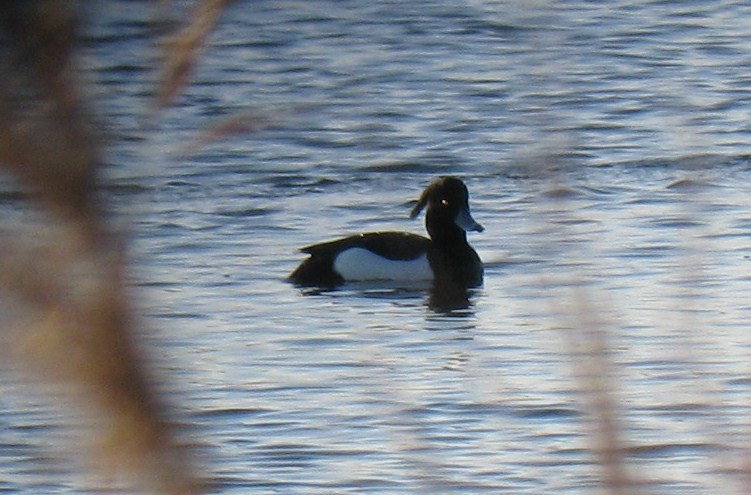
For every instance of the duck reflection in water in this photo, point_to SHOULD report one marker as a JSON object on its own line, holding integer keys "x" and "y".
{"x": 445, "y": 259}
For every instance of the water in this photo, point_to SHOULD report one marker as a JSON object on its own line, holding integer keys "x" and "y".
{"x": 605, "y": 149}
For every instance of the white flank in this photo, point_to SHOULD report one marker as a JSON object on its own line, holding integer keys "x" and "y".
{"x": 361, "y": 264}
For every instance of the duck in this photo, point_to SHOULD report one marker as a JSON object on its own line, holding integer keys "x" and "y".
{"x": 445, "y": 258}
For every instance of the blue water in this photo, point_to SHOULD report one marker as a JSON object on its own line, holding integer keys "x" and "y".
{"x": 605, "y": 146}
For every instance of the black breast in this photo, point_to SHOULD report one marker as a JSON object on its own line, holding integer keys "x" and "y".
{"x": 458, "y": 265}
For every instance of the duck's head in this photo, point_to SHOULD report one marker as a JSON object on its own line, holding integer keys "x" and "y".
{"x": 447, "y": 202}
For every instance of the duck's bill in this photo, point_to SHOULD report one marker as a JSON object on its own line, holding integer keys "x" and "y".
{"x": 466, "y": 222}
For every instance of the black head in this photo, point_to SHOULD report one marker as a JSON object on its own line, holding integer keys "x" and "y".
{"x": 447, "y": 201}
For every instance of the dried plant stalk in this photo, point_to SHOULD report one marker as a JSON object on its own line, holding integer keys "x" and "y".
{"x": 590, "y": 350}
{"x": 78, "y": 327}
{"x": 45, "y": 138}
{"x": 182, "y": 51}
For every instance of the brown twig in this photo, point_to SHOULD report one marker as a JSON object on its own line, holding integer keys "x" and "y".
{"x": 182, "y": 51}
{"x": 67, "y": 271}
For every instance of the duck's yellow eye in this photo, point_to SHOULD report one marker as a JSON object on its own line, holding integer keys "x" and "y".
{"x": 445, "y": 202}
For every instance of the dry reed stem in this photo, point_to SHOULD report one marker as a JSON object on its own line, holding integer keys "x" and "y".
{"x": 594, "y": 369}
{"x": 45, "y": 138}
{"x": 182, "y": 51}
{"x": 585, "y": 333}
{"x": 67, "y": 272}
{"x": 235, "y": 125}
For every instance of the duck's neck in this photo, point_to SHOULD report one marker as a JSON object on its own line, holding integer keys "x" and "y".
{"x": 446, "y": 235}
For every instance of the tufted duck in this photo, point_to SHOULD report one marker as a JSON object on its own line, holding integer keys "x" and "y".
{"x": 445, "y": 258}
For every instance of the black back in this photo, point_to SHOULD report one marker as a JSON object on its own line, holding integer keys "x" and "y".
{"x": 318, "y": 269}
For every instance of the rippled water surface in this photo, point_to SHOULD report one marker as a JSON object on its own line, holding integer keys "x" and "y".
{"x": 605, "y": 147}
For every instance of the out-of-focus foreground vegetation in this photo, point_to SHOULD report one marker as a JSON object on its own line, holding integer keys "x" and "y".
{"x": 68, "y": 321}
